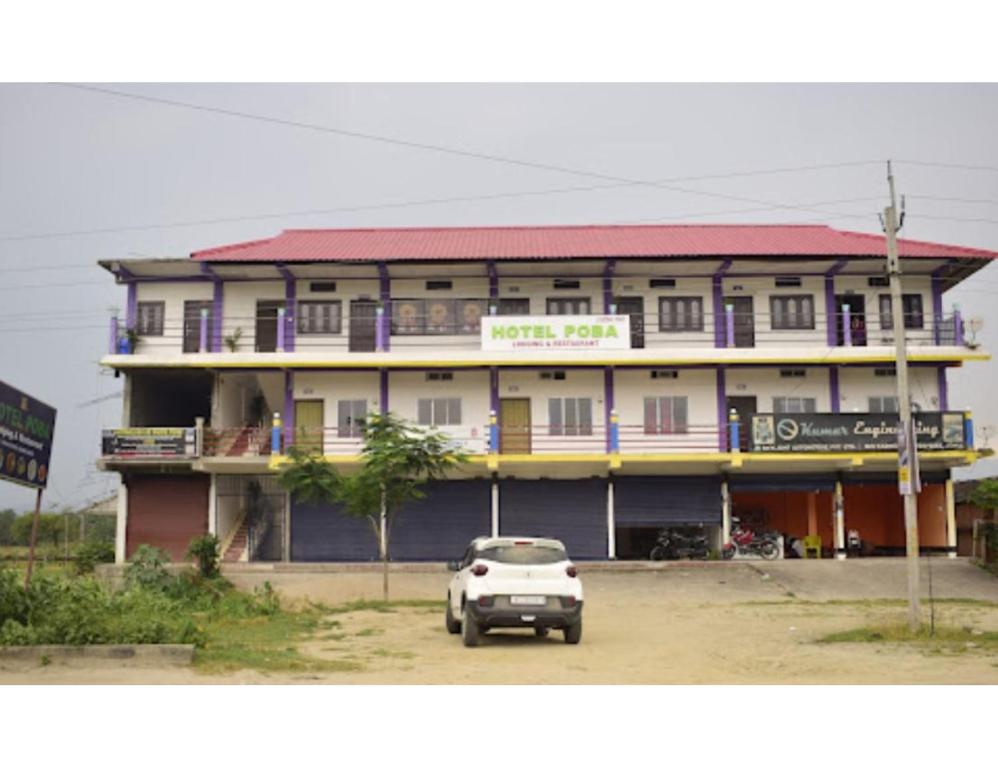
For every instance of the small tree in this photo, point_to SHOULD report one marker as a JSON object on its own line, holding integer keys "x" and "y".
{"x": 397, "y": 459}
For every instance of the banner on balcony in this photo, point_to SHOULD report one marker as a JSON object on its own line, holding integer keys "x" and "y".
{"x": 149, "y": 442}
{"x": 507, "y": 333}
{"x": 800, "y": 432}
{"x": 26, "y": 429}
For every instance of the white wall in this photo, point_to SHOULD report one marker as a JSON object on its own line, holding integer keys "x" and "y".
{"x": 585, "y": 383}
{"x": 173, "y": 295}
{"x": 239, "y": 309}
{"x": 462, "y": 288}
{"x": 346, "y": 291}
{"x": 857, "y": 385}
{"x": 761, "y": 289}
{"x": 405, "y": 388}
{"x": 876, "y": 336}
{"x": 700, "y": 389}
{"x": 333, "y": 387}
{"x": 766, "y": 383}
{"x": 685, "y": 287}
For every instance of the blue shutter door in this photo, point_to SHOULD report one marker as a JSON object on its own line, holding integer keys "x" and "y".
{"x": 441, "y": 525}
{"x": 321, "y": 533}
{"x": 651, "y": 502}
{"x": 573, "y": 511}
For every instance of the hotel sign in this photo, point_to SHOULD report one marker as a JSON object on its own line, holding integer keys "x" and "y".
{"x": 150, "y": 442}
{"x": 26, "y": 430}
{"x": 835, "y": 432}
{"x": 505, "y": 333}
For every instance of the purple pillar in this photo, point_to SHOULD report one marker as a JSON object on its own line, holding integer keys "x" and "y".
{"x": 494, "y": 389}
{"x": 718, "y": 291}
{"x": 216, "y": 316}
{"x": 830, "y": 334}
{"x": 379, "y": 330}
{"x": 833, "y": 388}
{"x": 957, "y": 327}
{"x": 943, "y": 389}
{"x": 385, "y": 293}
{"x": 132, "y": 307}
{"x": 729, "y": 320}
{"x": 846, "y": 326}
{"x": 608, "y": 405}
{"x": 289, "y": 408}
{"x": 722, "y": 412}
{"x": 203, "y": 332}
{"x": 608, "y": 270}
{"x": 384, "y": 390}
{"x": 281, "y": 315}
{"x": 937, "y": 303}
{"x": 113, "y": 338}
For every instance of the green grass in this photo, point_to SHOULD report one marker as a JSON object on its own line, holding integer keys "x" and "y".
{"x": 370, "y": 632}
{"x": 875, "y": 602}
{"x": 382, "y": 606}
{"x": 943, "y": 639}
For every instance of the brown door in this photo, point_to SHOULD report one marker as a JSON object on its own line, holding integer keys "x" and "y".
{"x": 635, "y": 307}
{"x": 514, "y": 425}
{"x": 167, "y": 512}
{"x": 192, "y": 325}
{"x": 744, "y": 406}
{"x": 744, "y": 319}
{"x": 363, "y": 316}
{"x": 266, "y": 325}
{"x": 309, "y": 425}
{"x": 857, "y": 319}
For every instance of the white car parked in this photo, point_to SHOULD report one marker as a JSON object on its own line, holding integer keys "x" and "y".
{"x": 514, "y": 582}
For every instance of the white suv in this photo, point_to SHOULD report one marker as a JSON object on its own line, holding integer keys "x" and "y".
{"x": 514, "y": 582}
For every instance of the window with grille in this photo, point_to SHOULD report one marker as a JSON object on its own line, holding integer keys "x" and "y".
{"x": 350, "y": 415}
{"x": 680, "y": 313}
{"x": 573, "y": 306}
{"x": 319, "y": 317}
{"x": 438, "y": 411}
{"x": 793, "y": 405}
{"x": 570, "y": 416}
{"x": 790, "y": 313}
{"x": 149, "y": 318}
{"x": 911, "y": 307}
{"x": 666, "y": 415}
{"x": 514, "y": 307}
{"x": 415, "y": 317}
{"x": 886, "y": 404}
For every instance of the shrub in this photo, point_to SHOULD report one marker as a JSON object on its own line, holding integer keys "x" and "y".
{"x": 204, "y": 549}
{"x": 147, "y": 568}
{"x": 89, "y": 554}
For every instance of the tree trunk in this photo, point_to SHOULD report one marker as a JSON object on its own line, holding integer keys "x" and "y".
{"x": 384, "y": 547}
{"x": 384, "y": 581}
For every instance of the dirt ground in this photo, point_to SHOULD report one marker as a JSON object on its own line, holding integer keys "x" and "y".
{"x": 710, "y": 623}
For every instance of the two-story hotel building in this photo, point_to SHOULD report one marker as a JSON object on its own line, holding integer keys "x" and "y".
{"x": 607, "y": 381}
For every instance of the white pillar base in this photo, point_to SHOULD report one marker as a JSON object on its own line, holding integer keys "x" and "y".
{"x": 611, "y": 526}
{"x": 950, "y": 519}
{"x": 495, "y": 508}
{"x": 121, "y": 527}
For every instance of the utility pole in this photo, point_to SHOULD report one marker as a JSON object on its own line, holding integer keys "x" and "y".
{"x": 907, "y": 453}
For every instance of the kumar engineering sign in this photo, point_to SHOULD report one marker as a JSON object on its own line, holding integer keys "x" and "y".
{"x": 801, "y": 432}
{"x": 26, "y": 430}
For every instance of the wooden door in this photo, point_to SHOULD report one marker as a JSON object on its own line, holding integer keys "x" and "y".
{"x": 192, "y": 325}
{"x": 309, "y": 425}
{"x": 514, "y": 425}
{"x": 744, "y": 319}
{"x": 363, "y": 319}
{"x": 266, "y": 325}
{"x": 744, "y": 406}
{"x": 635, "y": 307}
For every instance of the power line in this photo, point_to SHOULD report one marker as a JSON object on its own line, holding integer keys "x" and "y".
{"x": 955, "y": 166}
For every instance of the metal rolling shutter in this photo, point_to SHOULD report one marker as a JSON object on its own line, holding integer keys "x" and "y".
{"x": 440, "y": 526}
{"x": 573, "y": 511}
{"x": 166, "y": 511}
{"x": 322, "y": 533}
{"x": 891, "y": 478}
{"x": 648, "y": 502}
{"x": 781, "y": 483}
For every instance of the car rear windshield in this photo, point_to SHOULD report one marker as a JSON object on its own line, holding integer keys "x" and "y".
{"x": 523, "y": 554}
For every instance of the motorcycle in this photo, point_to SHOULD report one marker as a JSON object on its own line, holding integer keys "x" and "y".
{"x": 745, "y": 541}
{"x": 673, "y": 544}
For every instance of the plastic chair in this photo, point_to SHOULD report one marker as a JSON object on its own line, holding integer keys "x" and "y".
{"x": 812, "y": 547}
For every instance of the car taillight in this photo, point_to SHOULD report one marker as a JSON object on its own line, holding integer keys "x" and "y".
{"x": 568, "y": 602}
{"x": 485, "y": 601}
{"x": 571, "y": 571}
{"x": 480, "y": 569}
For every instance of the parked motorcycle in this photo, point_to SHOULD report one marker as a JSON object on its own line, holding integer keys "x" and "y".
{"x": 674, "y": 544}
{"x": 745, "y": 541}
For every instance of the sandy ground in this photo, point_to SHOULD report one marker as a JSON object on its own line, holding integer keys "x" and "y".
{"x": 716, "y": 623}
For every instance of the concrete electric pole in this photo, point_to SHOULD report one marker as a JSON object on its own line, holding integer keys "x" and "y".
{"x": 907, "y": 454}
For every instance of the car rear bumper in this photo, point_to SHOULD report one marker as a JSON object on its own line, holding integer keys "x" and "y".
{"x": 526, "y": 616}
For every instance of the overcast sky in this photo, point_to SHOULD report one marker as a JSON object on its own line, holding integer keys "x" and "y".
{"x": 74, "y": 160}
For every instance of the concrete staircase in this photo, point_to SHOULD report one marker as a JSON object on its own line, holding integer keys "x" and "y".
{"x": 235, "y": 550}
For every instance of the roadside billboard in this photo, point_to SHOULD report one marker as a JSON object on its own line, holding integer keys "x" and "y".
{"x": 27, "y": 427}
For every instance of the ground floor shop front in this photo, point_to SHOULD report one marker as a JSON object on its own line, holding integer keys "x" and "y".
{"x": 613, "y": 516}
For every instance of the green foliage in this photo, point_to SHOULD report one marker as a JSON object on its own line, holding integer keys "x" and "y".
{"x": 51, "y": 529}
{"x": 205, "y": 550}
{"x": 90, "y": 553}
{"x": 985, "y": 495}
{"x": 232, "y": 340}
{"x": 7, "y": 518}
{"x": 147, "y": 568}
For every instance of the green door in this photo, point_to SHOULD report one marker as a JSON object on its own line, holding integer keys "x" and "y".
{"x": 309, "y": 425}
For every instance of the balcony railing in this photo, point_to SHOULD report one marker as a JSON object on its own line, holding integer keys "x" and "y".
{"x": 369, "y": 333}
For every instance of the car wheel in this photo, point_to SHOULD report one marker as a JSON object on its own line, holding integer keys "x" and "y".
{"x": 769, "y": 550}
{"x": 452, "y": 624}
{"x": 469, "y": 631}
{"x": 541, "y": 631}
{"x": 573, "y": 633}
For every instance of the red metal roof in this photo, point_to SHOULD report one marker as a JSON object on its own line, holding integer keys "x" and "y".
{"x": 478, "y": 243}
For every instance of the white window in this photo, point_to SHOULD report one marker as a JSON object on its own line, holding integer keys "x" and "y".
{"x": 793, "y": 405}
{"x": 350, "y": 417}
{"x": 666, "y": 415}
{"x": 886, "y": 404}
{"x": 319, "y": 317}
{"x": 570, "y": 416}
{"x": 149, "y": 318}
{"x": 439, "y": 411}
